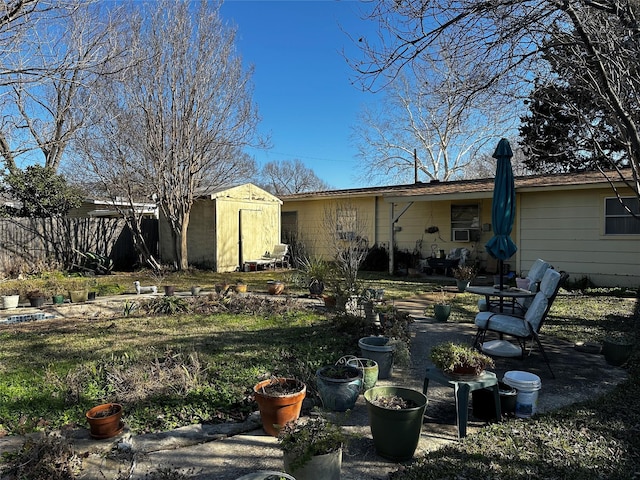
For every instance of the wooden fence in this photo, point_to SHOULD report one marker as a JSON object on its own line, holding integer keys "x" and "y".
{"x": 30, "y": 242}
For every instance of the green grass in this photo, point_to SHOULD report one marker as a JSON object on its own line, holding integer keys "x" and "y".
{"x": 194, "y": 368}
{"x": 592, "y": 440}
{"x": 174, "y": 370}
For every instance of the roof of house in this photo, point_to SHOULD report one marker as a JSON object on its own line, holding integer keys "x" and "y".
{"x": 474, "y": 188}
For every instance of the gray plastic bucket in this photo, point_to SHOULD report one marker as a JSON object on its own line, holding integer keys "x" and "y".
{"x": 378, "y": 350}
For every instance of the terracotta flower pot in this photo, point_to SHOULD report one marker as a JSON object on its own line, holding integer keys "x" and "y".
{"x": 330, "y": 301}
{"x": 104, "y": 420}
{"x": 277, "y": 410}
{"x": 275, "y": 288}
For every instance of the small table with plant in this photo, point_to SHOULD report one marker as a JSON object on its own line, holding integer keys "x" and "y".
{"x": 462, "y": 368}
{"x": 461, "y": 390}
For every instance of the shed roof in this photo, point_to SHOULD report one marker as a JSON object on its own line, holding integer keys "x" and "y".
{"x": 245, "y": 191}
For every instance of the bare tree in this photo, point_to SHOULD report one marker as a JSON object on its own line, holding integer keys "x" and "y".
{"x": 290, "y": 176}
{"x": 484, "y": 165}
{"x": 182, "y": 111}
{"x": 425, "y": 128}
{"x": 505, "y": 40}
{"x": 46, "y": 82}
{"x": 345, "y": 232}
{"x": 105, "y": 158}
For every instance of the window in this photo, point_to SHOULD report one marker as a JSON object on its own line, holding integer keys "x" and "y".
{"x": 289, "y": 226}
{"x": 465, "y": 218}
{"x": 617, "y": 220}
{"x": 346, "y": 225}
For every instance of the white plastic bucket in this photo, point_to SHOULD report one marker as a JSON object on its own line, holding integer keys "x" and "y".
{"x": 528, "y": 386}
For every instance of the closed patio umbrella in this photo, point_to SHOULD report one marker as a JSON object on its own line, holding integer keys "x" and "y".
{"x": 503, "y": 208}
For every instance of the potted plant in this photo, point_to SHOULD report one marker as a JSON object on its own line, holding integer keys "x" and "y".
{"x": 9, "y": 298}
{"x": 279, "y": 401}
{"x": 240, "y": 286}
{"x": 395, "y": 418}
{"x": 78, "y": 291}
{"x": 105, "y": 420}
{"x": 222, "y": 287}
{"x": 459, "y": 360}
{"x": 617, "y": 348}
{"x": 369, "y": 302}
{"x": 330, "y": 301}
{"x": 312, "y": 449}
{"x": 92, "y": 289}
{"x": 36, "y": 298}
{"x": 274, "y": 287}
{"x": 441, "y": 309}
{"x": 54, "y": 288}
{"x": 339, "y": 386}
{"x": 315, "y": 271}
{"x": 392, "y": 346}
{"x": 464, "y": 274}
{"x": 369, "y": 369}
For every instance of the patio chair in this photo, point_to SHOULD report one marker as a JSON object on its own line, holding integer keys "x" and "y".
{"x": 280, "y": 255}
{"x": 519, "y": 307}
{"x": 527, "y": 327}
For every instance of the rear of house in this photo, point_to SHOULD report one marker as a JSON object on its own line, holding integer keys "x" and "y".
{"x": 574, "y": 221}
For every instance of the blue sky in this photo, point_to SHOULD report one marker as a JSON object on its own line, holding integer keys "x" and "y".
{"x": 302, "y": 82}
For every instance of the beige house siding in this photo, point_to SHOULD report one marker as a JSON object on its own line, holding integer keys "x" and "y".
{"x": 227, "y": 227}
{"x": 559, "y": 218}
{"x": 566, "y": 228}
{"x": 424, "y": 214}
{"x": 312, "y": 227}
{"x": 412, "y": 224}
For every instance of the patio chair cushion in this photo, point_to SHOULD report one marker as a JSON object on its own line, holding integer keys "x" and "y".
{"x": 536, "y": 272}
{"x": 504, "y": 323}
{"x": 517, "y": 326}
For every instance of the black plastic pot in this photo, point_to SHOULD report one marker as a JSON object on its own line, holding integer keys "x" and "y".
{"x": 482, "y": 402}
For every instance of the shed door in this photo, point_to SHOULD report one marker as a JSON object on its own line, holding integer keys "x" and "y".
{"x": 250, "y": 241}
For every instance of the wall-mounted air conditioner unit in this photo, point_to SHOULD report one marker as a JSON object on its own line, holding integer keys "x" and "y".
{"x": 461, "y": 235}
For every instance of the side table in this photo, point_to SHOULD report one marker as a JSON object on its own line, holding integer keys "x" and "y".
{"x": 461, "y": 389}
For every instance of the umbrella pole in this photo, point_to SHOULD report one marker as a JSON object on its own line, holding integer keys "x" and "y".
{"x": 501, "y": 267}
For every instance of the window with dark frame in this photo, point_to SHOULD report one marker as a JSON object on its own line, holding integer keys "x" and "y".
{"x": 618, "y": 220}
{"x": 465, "y": 217}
